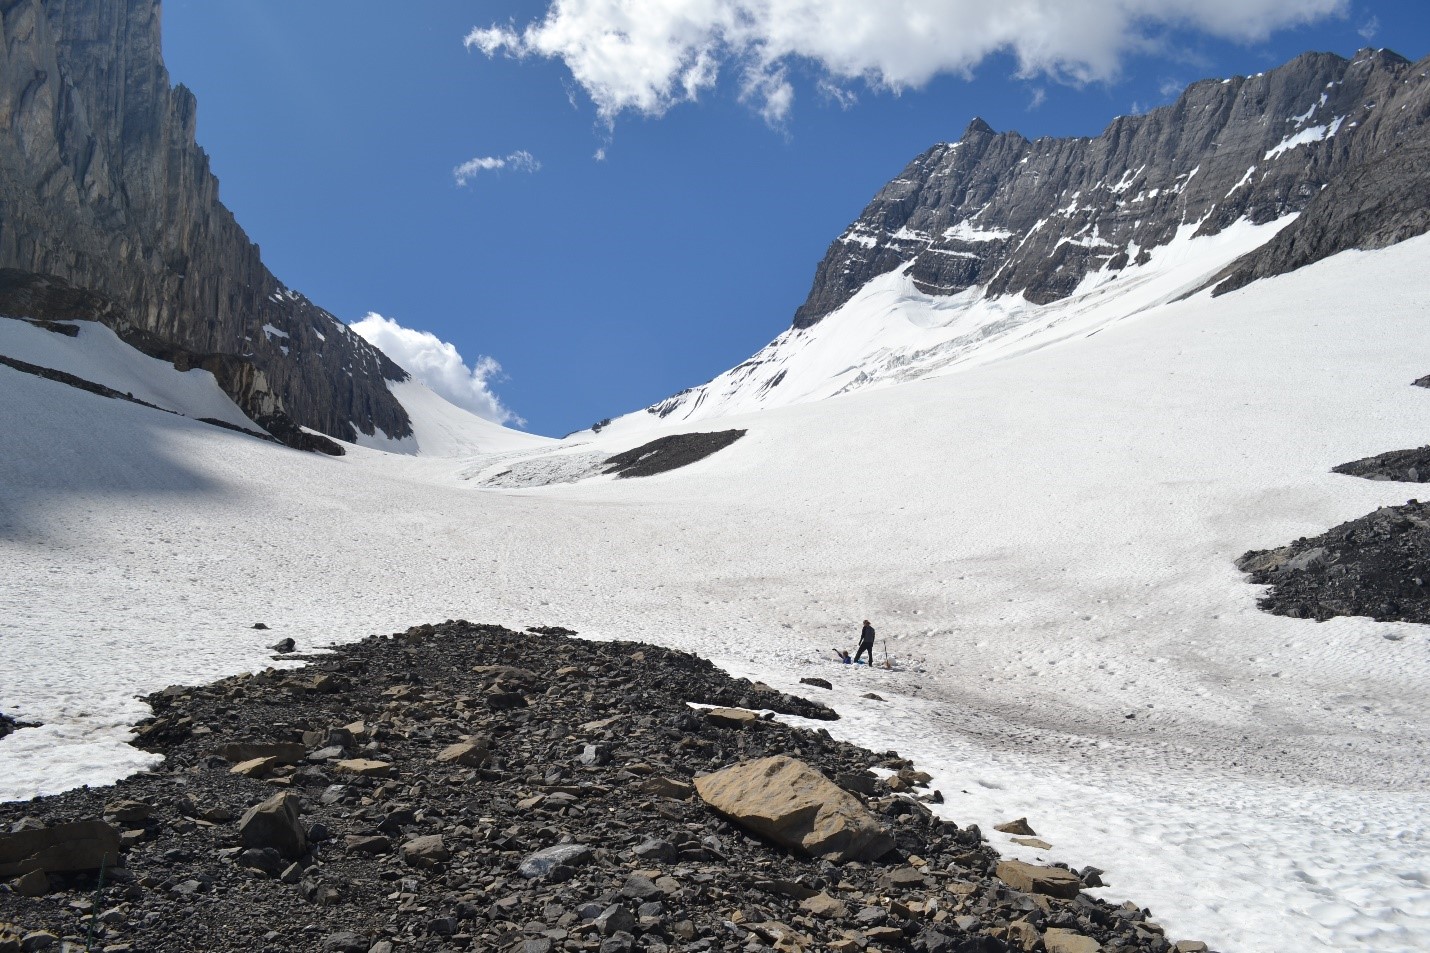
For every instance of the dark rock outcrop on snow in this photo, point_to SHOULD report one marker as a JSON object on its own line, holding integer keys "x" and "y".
{"x": 9, "y": 725}
{"x": 103, "y": 185}
{"x": 1376, "y": 566}
{"x": 1404, "y": 466}
{"x": 670, "y": 453}
{"x": 1341, "y": 141}
{"x": 428, "y": 813}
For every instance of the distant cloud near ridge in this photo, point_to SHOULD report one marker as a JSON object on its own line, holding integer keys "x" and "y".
{"x": 519, "y": 161}
{"x": 438, "y": 364}
{"x": 647, "y": 57}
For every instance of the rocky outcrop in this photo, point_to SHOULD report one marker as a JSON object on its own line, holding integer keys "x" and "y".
{"x": 670, "y": 453}
{"x": 1403, "y": 466}
{"x": 1340, "y": 141}
{"x": 1376, "y": 566}
{"x": 102, "y": 185}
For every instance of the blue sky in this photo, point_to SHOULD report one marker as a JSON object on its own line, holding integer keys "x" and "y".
{"x": 620, "y": 241}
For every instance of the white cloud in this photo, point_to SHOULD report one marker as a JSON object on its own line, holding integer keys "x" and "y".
{"x": 645, "y": 56}
{"x": 519, "y": 161}
{"x": 1369, "y": 28}
{"x": 1040, "y": 96}
{"x": 841, "y": 96}
{"x": 437, "y": 364}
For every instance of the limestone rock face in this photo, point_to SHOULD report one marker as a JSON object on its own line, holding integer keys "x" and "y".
{"x": 794, "y": 805}
{"x": 103, "y": 185}
{"x": 1343, "y": 142}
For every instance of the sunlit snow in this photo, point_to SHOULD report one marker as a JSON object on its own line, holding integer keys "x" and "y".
{"x": 1044, "y": 538}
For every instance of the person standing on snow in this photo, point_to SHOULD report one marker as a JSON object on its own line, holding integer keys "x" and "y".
{"x": 866, "y": 642}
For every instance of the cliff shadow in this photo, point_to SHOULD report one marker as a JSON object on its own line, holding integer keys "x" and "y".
{"x": 63, "y": 451}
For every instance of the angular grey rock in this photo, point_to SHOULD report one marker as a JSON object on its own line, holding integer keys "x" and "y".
{"x": 615, "y": 919}
{"x": 540, "y": 864}
{"x": 274, "y": 823}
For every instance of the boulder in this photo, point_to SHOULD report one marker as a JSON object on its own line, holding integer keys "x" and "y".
{"x": 469, "y": 754}
{"x": 274, "y": 823}
{"x": 34, "y": 884}
{"x": 80, "y": 845}
{"x": 1030, "y": 878}
{"x": 823, "y": 905}
{"x": 794, "y": 805}
{"x": 426, "y": 851}
{"x": 254, "y": 768}
{"x": 539, "y": 865}
{"x": 364, "y": 767}
{"x": 1020, "y": 826}
{"x": 731, "y": 717}
{"x": 129, "y": 811}
{"x": 1058, "y": 940}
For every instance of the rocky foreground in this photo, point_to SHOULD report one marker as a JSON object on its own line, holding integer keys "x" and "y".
{"x": 467, "y": 787}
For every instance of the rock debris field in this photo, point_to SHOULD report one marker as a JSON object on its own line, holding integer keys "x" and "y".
{"x": 469, "y": 787}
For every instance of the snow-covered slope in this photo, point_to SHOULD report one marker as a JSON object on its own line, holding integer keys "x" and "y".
{"x": 890, "y": 331}
{"x": 1045, "y": 542}
{"x": 95, "y": 354}
{"x": 442, "y": 429}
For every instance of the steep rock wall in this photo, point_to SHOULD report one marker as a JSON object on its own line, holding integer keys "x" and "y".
{"x": 103, "y": 185}
{"x": 1034, "y": 218}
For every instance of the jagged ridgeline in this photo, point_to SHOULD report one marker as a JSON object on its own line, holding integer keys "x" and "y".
{"x": 1341, "y": 142}
{"x": 105, "y": 197}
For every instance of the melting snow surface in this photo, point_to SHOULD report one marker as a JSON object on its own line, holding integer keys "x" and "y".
{"x": 1044, "y": 539}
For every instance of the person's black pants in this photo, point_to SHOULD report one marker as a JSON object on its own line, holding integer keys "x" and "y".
{"x": 865, "y": 648}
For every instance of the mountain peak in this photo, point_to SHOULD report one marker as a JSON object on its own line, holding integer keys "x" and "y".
{"x": 978, "y": 127}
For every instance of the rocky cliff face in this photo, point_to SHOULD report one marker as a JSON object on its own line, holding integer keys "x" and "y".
{"x": 1332, "y": 138}
{"x": 984, "y": 246}
{"x": 103, "y": 185}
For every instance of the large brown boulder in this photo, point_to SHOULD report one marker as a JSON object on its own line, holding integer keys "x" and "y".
{"x": 81, "y": 845}
{"x": 1031, "y": 878}
{"x": 794, "y": 805}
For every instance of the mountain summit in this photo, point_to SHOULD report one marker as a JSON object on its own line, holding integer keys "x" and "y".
{"x": 978, "y": 241}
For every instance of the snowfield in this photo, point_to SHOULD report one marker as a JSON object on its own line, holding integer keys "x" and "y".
{"x": 1044, "y": 540}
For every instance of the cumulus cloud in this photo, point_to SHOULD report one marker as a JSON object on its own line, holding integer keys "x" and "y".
{"x": 519, "y": 161}
{"x": 645, "y": 56}
{"x": 437, "y": 364}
